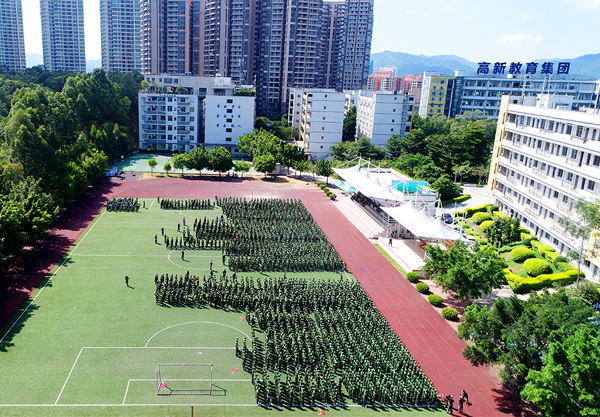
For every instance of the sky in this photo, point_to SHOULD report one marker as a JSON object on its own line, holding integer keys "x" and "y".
{"x": 477, "y": 30}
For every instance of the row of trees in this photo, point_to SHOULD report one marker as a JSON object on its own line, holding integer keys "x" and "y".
{"x": 57, "y": 133}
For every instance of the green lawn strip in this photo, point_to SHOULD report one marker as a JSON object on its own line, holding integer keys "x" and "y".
{"x": 389, "y": 258}
{"x": 87, "y": 306}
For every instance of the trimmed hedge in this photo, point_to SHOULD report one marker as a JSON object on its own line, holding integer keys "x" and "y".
{"x": 422, "y": 288}
{"x": 520, "y": 285}
{"x": 558, "y": 259}
{"x": 449, "y": 313}
{"x": 535, "y": 267}
{"x": 524, "y": 230}
{"x": 521, "y": 254}
{"x": 551, "y": 256}
{"x": 435, "y": 300}
{"x": 459, "y": 199}
{"x": 540, "y": 247}
{"x": 472, "y": 210}
{"x": 481, "y": 217}
{"x": 565, "y": 266}
{"x": 413, "y": 277}
{"x": 500, "y": 214}
{"x": 492, "y": 209}
{"x": 485, "y": 225}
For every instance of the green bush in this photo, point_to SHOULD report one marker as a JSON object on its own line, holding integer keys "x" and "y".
{"x": 481, "y": 217}
{"x": 479, "y": 186}
{"x": 524, "y": 230}
{"x": 459, "y": 199}
{"x": 551, "y": 256}
{"x": 558, "y": 259}
{"x": 422, "y": 288}
{"x": 435, "y": 300}
{"x": 332, "y": 197}
{"x": 540, "y": 247}
{"x": 535, "y": 267}
{"x": 472, "y": 210}
{"x": 449, "y": 313}
{"x": 492, "y": 209}
{"x": 520, "y": 285}
{"x": 485, "y": 225}
{"x": 521, "y": 254}
{"x": 482, "y": 242}
{"x": 319, "y": 183}
{"x": 565, "y": 266}
{"x": 413, "y": 277}
{"x": 500, "y": 214}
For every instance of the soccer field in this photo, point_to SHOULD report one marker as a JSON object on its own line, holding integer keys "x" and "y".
{"x": 90, "y": 345}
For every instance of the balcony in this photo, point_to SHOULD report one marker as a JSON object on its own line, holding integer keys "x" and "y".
{"x": 537, "y": 193}
{"x": 578, "y": 139}
{"x": 560, "y": 230}
{"x": 573, "y": 162}
{"x": 539, "y": 173}
{"x": 564, "y": 207}
{"x": 568, "y": 186}
{"x": 541, "y": 151}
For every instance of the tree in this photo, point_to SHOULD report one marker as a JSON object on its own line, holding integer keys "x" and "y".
{"x": 480, "y": 172}
{"x": 197, "y": 159}
{"x": 470, "y": 273}
{"x": 503, "y": 231}
{"x": 349, "y": 127}
{"x": 569, "y": 381}
{"x": 260, "y": 142}
{"x": 167, "y": 168}
{"x": 219, "y": 159}
{"x": 393, "y": 146}
{"x": 516, "y": 334}
{"x": 302, "y": 166}
{"x": 460, "y": 171}
{"x": 264, "y": 163}
{"x": 323, "y": 169}
{"x": 242, "y": 166}
{"x": 179, "y": 162}
{"x": 152, "y": 162}
{"x": 582, "y": 225}
{"x": 408, "y": 163}
{"x": 290, "y": 155}
{"x": 446, "y": 188}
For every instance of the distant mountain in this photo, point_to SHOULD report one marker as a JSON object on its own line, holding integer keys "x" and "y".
{"x": 92, "y": 64}
{"x": 33, "y": 60}
{"x": 417, "y": 64}
{"x": 586, "y": 66}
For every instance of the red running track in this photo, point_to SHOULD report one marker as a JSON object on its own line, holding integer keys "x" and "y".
{"x": 431, "y": 341}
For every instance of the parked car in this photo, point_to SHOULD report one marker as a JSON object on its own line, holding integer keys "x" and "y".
{"x": 447, "y": 218}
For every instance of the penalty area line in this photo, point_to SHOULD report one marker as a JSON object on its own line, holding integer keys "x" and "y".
{"x": 69, "y": 376}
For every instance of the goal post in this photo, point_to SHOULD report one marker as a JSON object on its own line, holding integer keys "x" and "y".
{"x": 184, "y": 379}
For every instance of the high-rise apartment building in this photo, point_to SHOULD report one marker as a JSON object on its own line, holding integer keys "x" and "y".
{"x": 12, "y": 44}
{"x": 356, "y": 44}
{"x": 331, "y": 42}
{"x": 120, "y": 35}
{"x": 63, "y": 35}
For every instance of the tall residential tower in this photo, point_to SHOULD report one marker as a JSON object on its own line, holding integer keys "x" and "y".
{"x": 12, "y": 44}
{"x": 120, "y": 35}
{"x": 62, "y": 35}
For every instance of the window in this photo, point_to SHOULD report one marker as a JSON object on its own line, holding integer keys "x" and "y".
{"x": 569, "y": 176}
{"x": 393, "y": 120}
{"x": 229, "y": 101}
{"x": 228, "y": 140}
{"x": 591, "y": 185}
{"x": 170, "y": 108}
{"x": 229, "y": 110}
{"x": 596, "y": 160}
{"x": 394, "y": 110}
{"x": 555, "y": 195}
{"x": 229, "y": 120}
{"x": 228, "y": 130}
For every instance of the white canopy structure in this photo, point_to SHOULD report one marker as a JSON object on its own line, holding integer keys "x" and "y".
{"x": 420, "y": 223}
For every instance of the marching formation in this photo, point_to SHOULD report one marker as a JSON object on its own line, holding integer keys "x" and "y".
{"x": 262, "y": 234}
{"x": 313, "y": 342}
{"x": 122, "y": 204}
{"x": 188, "y": 204}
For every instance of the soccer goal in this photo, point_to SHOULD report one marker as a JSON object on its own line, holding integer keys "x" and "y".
{"x": 184, "y": 379}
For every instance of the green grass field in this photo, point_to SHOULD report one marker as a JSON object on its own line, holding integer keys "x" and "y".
{"x": 89, "y": 345}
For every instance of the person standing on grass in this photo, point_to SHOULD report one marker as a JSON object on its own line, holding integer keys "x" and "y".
{"x": 155, "y": 238}
{"x": 182, "y": 255}
{"x": 127, "y": 280}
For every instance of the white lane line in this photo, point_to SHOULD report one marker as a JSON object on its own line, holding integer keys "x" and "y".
{"x": 126, "y": 391}
{"x": 156, "y": 347}
{"x": 53, "y": 275}
{"x": 69, "y": 376}
{"x": 151, "y": 205}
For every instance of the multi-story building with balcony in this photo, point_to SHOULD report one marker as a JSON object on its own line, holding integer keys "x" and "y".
{"x": 120, "y": 35}
{"x": 545, "y": 157}
{"x": 356, "y": 44}
{"x": 321, "y": 120}
{"x": 484, "y": 92}
{"x": 12, "y": 43}
{"x": 382, "y": 114}
{"x": 173, "y": 114}
{"x": 63, "y": 35}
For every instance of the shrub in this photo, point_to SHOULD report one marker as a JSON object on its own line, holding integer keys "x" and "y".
{"x": 459, "y": 199}
{"x": 449, "y": 313}
{"x": 483, "y": 242}
{"x": 551, "y": 256}
{"x": 526, "y": 239}
{"x": 524, "y": 230}
{"x": 558, "y": 259}
{"x": 520, "y": 285}
{"x": 413, "y": 277}
{"x": 435, "y": 300}
{"x": 332, "y": 197}
{"x": 319, "y": 183}
{"x": 485, "y": 225}
{"x": 422, "y": 288}
{"x": 535, "y": 267}
{"x": 479, "y": 186}
{"x": 565, "y": 266}
{"x": 521, "y": 254}
{"x": 540, "y": 247}
{"x": 492, "y": 209}
{"x": 500, "y": 214}
{"x": 481, "y": 217}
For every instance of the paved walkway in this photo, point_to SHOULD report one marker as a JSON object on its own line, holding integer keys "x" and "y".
{"x": 428, "y": 337}
{"x": 358, "y": 217}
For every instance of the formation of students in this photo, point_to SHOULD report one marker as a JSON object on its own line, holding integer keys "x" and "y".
{"x": 313, "y": 342}
{"x": 122, "y": 204}
{"x": 186, "y": 204}
{"x": 261, "y": 234}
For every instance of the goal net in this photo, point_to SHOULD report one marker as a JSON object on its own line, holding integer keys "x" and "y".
{"x": 184, "y": 379}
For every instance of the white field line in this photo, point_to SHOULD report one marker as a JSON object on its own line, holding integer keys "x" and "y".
{"x": 151, "y": 205}
{"x": 50, "y": 279}
{"x": 156, "y": 347}
{"x": 65, "y": 384}
{"x": 147, "y": 256}
{"x": 195, "y": 322}
{"x": 195, "y": 405}
{"x": 200, "y": 380}
{"x": 126, "y": 391}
